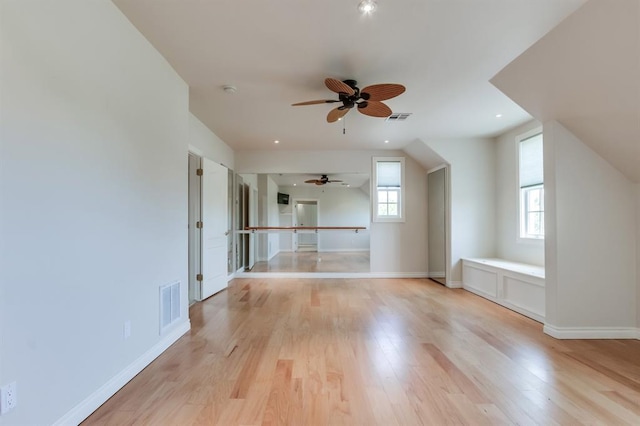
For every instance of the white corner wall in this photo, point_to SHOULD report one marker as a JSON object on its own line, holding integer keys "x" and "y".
{"x": 590, "y": 252}
{"x": 402, "y": 247}
{"x": 508, "y": 246}
{"x": 93, "y": 189}
{"x": 472, "y": 189}
{"x": 204, "y": 142}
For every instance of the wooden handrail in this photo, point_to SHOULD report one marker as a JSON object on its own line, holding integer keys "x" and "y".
{"x": 304, "y": 228}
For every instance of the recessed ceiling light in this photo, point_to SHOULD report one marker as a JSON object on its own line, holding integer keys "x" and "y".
{"x": 276, "y": 141}
{"x": 295, "y": 184}
{"x": 498, "y": 115}
{"x": 386, "y": 141}
{"x": 367, "y": 6}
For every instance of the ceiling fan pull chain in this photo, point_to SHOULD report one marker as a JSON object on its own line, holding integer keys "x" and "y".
{"x": 344, "y": 132}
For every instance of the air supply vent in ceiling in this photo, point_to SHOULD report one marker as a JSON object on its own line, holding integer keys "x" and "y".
{"x": 398, "y": 116}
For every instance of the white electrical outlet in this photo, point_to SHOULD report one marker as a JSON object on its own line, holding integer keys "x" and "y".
{"x": 126, "y": 330}
{"x": 8, "y": 398}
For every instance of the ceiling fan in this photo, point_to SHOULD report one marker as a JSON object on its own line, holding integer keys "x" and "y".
{"x": 324, "y": 179}
{"x": 368, "y": 100}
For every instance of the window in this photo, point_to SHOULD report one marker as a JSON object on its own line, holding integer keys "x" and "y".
{"x": 388, "y": 193}
{"x": 531, "y": 176}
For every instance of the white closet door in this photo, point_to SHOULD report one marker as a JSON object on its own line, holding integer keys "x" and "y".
{"x": 214, "y": 219}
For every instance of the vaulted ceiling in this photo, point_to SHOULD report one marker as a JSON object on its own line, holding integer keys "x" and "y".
{"x": 278, "y": 53}
{"x": 585, "y": 74}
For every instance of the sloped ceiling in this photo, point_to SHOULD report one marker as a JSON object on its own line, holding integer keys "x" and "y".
{"x": 585, "y": 74}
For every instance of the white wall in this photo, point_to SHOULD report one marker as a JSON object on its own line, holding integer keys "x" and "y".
{"x": 313, "y": 162}
{"x": 638, "y": 258}
{"x": 93, "y": 188}
{"x": 273, "y": 240}
{"x": 590, "y": 251}
{"x": 402, "y": 247}
{"x": 395, "y": 247}
{"x": 205, "y": 143}
{"x": 337, "y": 206}
{"x": 472, "y": 198}
{"x": 508, "y": 246}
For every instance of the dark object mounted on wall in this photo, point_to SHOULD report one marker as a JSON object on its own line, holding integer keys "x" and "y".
{"x": 283, "y": 198}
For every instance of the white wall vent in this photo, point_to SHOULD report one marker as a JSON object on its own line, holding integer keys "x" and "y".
{"x": 169, "y": 305}
{"x": 398, "y": 116}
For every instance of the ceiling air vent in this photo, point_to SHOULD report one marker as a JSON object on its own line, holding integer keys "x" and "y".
{"x": 398, "y": 116}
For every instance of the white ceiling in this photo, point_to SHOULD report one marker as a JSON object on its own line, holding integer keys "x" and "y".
{"x": 278, "y": 53}
{"x": 585, "y": 74}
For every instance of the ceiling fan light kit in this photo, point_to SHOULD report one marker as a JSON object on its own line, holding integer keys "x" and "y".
{"x": 368, "y": 100}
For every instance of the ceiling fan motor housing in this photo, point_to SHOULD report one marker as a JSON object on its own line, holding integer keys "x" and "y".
{"x": 349, "y": 101}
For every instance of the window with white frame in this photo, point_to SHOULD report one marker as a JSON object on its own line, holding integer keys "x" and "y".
{"x": 531, "y": 176}
{"x": 388, "y": 189}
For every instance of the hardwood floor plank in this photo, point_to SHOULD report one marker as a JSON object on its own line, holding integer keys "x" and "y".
{"x": 366, "y": 352}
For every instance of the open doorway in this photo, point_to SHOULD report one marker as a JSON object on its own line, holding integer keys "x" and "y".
{"x": 437, "y": 224}
{"x": 305, "y": 213}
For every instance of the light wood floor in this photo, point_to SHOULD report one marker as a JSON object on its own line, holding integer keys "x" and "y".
{"x": 365, "y": 352}
{"x": 354, "y": 261}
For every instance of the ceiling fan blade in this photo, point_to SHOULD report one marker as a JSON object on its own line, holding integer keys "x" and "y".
{"x": 311, "y": 181}
{"x": 338, "y": 86}
{"x": 336, "y": 114}
{"x": 374, "y": 109}
{"x": 322, "y": 101}
{"x": 334, "y": 180}
{"x": 319, "y": 182}
{"x": 382, "y": 92}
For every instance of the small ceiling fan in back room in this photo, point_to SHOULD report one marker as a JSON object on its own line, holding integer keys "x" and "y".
{"x": 368, "y": 100}
{"x": 324, "y": 179}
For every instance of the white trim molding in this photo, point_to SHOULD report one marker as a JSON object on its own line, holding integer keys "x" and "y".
{"x": 591, "y": 332}
{"x": 83, "y": 410}
{"x": 517, "y": 286}
{"x": 455, "y": 284}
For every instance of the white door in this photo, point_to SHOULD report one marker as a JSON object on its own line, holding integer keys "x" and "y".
{"x": 214, "y": 228}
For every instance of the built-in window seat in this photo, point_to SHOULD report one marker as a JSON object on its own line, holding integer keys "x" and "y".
{"x": 518, "y": 286}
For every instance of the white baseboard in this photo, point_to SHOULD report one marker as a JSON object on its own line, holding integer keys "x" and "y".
{"x": 454, "y": 284}
{"x": 231, "y": 276}
{"x": 592, "y": 332}
{"x": 262, "y": 275}
{"x": 344, "y": 250}
{"x": 502, "y": 302}
{"x": 106, "y": 391}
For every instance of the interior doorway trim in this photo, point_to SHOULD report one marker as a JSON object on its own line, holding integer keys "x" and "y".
{"x": 295, "y": 236}
{"x": 194, "y": 196}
